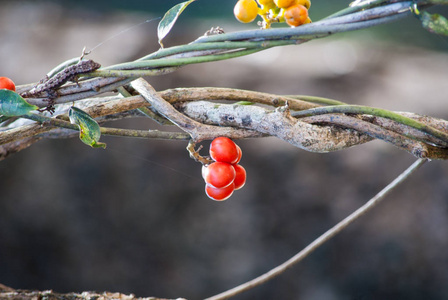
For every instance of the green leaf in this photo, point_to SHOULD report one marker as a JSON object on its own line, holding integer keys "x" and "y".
{"x": 169, "y": 19}
{"x": 89, "y": 130}
{"x": 434, "y": 23}
{"x": 11, "y": 104}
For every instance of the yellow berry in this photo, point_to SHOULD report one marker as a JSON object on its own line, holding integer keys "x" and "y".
{"x": 306, "y": 3}
{"x": 284, "y": 3}
{"x": 307, "y": 21}
{"x": 296, "y": 15}
{"x": 266, "y": 2}
{"x": 245, "y": 10}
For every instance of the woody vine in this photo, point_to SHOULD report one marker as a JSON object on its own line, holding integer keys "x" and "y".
{"x": 310, "y": 123}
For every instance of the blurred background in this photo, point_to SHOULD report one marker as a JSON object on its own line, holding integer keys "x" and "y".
{"x": 134, "y": 218}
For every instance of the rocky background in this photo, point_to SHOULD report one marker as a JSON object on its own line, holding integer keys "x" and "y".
{"x": 134, "y": 218}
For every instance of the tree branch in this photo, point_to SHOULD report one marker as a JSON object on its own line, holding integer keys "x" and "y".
{"x": 314, "y": 138}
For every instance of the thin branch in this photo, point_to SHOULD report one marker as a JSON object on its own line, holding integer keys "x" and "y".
{"x": 145, "y": 134}
{"x": 323, "y": 238}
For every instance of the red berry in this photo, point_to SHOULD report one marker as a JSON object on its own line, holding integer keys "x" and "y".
{"x": 219, "y": 194}
{"x": 240, "y": 178}
{"x": 6, "y": 83}
{"x": 240, "y": 154}
{"x": 219, "y": 174}
{"x": 223, "y": 149}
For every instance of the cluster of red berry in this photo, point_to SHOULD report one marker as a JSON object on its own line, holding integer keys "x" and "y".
{"x": 293, "y": 12}
{"x": 6, "y": 83}
{"x": 225, "y": 175}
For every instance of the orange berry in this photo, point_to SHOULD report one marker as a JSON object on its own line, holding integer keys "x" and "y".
{"x": 246, "y": 11}
{"x": 296, "y": 15}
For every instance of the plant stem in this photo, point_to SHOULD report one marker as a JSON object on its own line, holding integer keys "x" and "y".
{"x": 145, "y": 134}
{"x": 164, "y": 52}
{"x": 317, "y": 100}
{"x": 51, "y": 121}
{"x": 175, "y": 62}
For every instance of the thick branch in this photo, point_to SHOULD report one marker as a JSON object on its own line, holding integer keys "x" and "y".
{"x": 277, "y": 123}
{"x": 197, "y": 131}
{"x": 7, "y": 293}
{"x": 314, "y": 138}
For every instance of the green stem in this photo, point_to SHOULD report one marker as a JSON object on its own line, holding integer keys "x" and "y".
{"x": 317, "y": 100}
{"x": 212, "y": 46}
{"x": 358, "y": 109}
{"x": 154, "y": 134}
{"x": 175, "y": 62}
{"x": 353, "y": 9}
{"x": 62, "y": 66}
{"x": 145, "y": 134}
{"x": 51, "y": 121}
